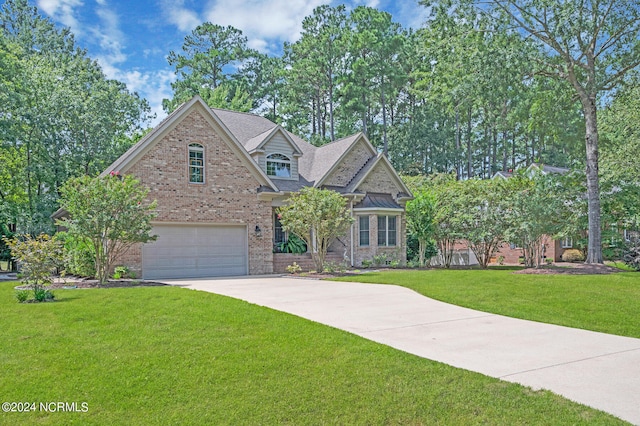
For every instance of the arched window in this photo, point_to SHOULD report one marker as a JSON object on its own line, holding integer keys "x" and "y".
{"x": 278, "y": 165}
{"x": 196, "y": 163}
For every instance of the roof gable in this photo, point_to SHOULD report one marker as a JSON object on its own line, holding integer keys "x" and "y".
{"x": 331, "y": 157}
{"x": 257, "y": 143}
{"x": 137, "y": 151}
{"x": 380, "y": 165}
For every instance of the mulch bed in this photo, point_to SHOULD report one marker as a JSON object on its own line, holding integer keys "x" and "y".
{"x": 571, "y": 269}
{"x": 75, "y": 282}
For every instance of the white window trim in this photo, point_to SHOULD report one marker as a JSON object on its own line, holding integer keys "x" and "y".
{"x": 195, "y": 147}
{"x": 386, "y": 236}
{"x": 360, "y": 231}
{"x": 279, "y": 161}
{"x": 567, "y": 242}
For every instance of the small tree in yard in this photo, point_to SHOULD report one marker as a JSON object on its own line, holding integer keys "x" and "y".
{"x": 110, "y": 213}
{"x": 39, "y": 258}
{"x": 421, "y": 220}
{"x": 317, "y": 216}
{"x": 483, "y": 222}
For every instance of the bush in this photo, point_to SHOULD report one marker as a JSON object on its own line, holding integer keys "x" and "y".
{"x": 293, "y": 245}
{"x": 294, "y": 269}
{"x": 121, "y": 272}
{"x": 573, "y": 255}
{"x": 39, "y": 258}
{"x": 22, "y": 295}
{"x": 366, "y": 263}
{"x": 631, "y": 256}
{"x": 79, "y": 256}
{"x": 333, "y": 267}
{"x": 380, "y": 259}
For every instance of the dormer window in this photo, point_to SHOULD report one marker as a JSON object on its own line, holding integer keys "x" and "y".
{"x": 196, "y": 163}
{"x": 278, "y": 165}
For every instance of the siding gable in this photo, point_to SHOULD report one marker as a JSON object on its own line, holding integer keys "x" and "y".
{"x": 278, "y": 144}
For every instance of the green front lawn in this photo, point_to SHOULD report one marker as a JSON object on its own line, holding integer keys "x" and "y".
{"x": 165, "y": 355}
{"x": 606, "y": 303}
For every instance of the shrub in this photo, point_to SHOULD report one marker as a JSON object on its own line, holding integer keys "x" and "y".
{"x": 631, "y": 256}
{"x": 293, "y": 245}
{"x": 333, "y": 267}
{"x": 394, "y": 263}
{"x": 380, "y": 259}
{"x": 366, "y": 263}
{"x": 79, "y": 256}
{"x": 294, "y": 269}
{"x": 22, "y": 295}
{"x": 39, "y": 258}
{"x": 572, "y": 255}
{"x": 500, "y": 260}
{"x": 121, "y": 272}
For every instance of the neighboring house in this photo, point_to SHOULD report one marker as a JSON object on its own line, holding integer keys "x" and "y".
{"x": 218, "y": 177}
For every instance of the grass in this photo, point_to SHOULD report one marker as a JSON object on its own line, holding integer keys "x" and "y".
{"x": 165, "y": 355}
{"x": 605, "y": 303}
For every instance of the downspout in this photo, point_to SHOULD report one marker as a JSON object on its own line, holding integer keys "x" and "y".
{"x": 352, "y": 232}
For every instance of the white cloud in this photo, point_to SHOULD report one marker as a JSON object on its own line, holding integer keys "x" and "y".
{"x": 177, "y": 14}
{"x": 411, "y": 14}
{"x": 63, "y": 11}
{"x": 153, "y": 86}
{"x": 262, "y": 21}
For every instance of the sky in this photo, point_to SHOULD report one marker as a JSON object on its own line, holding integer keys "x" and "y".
{"x": 132, "y": 38}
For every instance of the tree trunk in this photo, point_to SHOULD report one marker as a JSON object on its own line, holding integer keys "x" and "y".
{"x": 385, "y": 145}
{"x": 594, "y": 252}
{"x": 469, "y": 156}
{"x": 457, "y": 156}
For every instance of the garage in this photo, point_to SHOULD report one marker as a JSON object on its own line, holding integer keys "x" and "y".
{"x": 190, "y": 251}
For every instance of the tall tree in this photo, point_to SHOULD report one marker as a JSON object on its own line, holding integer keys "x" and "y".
{"x": 202, "y": 67}
{"x": 317, "y": 62}
{"x": 590, "y": 44}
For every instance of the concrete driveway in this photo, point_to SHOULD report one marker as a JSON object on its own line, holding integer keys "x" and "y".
{"x": 596, "y": 369}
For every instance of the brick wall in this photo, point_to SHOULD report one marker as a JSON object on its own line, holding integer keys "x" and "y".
{"x": 282, "y": 260}
{"x": 350, "y": 165}
{"x": 228, "y": 195}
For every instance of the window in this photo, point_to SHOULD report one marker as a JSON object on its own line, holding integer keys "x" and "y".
{"x": 386, "y": 230}
{"x": 196, "y": 163}
{"x": 364, "y": 230}
{"x": 278, "y": 165}
{"x": 567, "y": 242}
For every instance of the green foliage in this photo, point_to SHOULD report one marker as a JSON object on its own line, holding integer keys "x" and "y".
{"x": 333, "y": 267}
{"x": 61, "y": 116}
{"x": 421, "y": 213}
{"x": 540, "y": 205}
{"x": 121, "y": 272}
{"x": 294, "y": 244}
{"x": 22, "y": 295}
{"x": 631, "y": 255}
{"x": 110, "y": 214}
{"x": 317, "y": 216}
{"x": 79, "y": 255}
{"x": 367, "y": 263}
{"x": 294, "y": 268}
{"x": 39, "y": 259}
{"x": 206, "y": 52}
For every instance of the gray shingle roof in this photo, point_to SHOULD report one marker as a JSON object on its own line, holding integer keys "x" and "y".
{"x": 315, "y": 162}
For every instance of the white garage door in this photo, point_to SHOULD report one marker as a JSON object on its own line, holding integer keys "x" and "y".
{"x": 187, "y": 251}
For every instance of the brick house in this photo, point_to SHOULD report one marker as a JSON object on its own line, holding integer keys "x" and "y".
{"x": 218, "y": 177}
